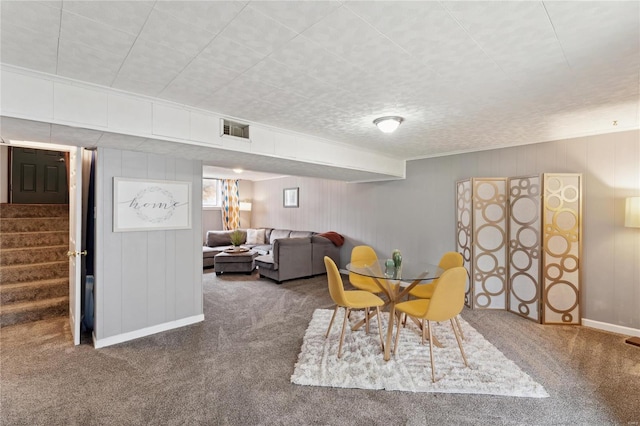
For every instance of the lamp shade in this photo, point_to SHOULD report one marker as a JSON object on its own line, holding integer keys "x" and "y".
{"x": 388, "y": 124}
{"x": 245, "y": 206}
{"x": 632, "y": 213}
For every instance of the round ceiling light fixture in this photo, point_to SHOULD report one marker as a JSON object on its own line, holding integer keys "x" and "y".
{"x": 388, "y": 124}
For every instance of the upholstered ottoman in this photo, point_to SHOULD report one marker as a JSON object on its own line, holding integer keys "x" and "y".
{"x": 235, "y": 262}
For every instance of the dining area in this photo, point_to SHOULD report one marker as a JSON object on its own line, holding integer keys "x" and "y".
{"x": 401, "y": 291}
{"x": 396, "y": 326}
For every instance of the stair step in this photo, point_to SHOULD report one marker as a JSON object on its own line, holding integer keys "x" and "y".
{"x": 34, "y": 239}
{"x": 29, "y": 255}
{"x": 18, "y": 313}
{"x": 33, "y": 290}
{"x": 37, "y": 224}
{"x": 33, "y": 210}
{"x": 35, "y": 272}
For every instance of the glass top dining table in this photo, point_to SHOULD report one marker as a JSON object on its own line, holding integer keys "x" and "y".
{"x": 395, "y": 283}
{"x": 408, "y": 271}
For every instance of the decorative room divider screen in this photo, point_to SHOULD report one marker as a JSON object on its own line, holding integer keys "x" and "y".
{"x": 521, "y": 242}
{"x": 525, "y": 229}
{"x": 482, "y": 225}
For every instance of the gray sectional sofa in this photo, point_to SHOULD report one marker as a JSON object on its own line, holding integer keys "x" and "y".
{"x": 218, "y": 241}
{"x": 284, "y": 255}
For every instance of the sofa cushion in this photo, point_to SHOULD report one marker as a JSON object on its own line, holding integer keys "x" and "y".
{"x": 255, "y": 236}
{"x": 209, "y": 252}
{"x": 262, "y": 248}
{"x": 300, "y": 234}
{"x": 266, "y": 262}
{"x": 278, "y": 233}
{"x": 218, "y": 238}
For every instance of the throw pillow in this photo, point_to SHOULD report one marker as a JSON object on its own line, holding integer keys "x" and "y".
{"x": 255, "y": 236}
{"x": 218, "y": 238}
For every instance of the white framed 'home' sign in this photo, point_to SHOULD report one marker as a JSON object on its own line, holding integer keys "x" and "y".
{"x": 150, "y": 205}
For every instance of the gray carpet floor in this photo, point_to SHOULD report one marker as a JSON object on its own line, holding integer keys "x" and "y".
{"x": 234, "y": 369}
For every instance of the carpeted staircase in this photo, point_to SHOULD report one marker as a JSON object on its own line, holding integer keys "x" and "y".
{"x": 34, "y": 267}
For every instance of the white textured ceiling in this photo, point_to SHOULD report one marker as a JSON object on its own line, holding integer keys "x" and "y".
{"x": 464, "y": 75}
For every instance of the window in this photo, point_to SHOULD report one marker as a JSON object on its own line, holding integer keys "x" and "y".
{"x": 211, "y": 192}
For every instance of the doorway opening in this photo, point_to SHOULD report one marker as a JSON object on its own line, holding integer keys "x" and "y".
{"x": 44, "y": 208}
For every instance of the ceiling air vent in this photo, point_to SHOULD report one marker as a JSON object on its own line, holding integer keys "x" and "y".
{"x": 232, "y": 128}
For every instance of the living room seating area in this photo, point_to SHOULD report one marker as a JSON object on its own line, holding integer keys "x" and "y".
{"x": 282, "y": 254}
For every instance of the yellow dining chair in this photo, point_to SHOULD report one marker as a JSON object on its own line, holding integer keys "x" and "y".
{"x": 446, "y": 303}
{"x": 364, "y": 255}
{"x": 449, "y": 260}
{"x": 353, "y": 299}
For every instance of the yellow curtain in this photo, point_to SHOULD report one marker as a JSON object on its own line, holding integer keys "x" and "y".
{"x": 230, "y": 204}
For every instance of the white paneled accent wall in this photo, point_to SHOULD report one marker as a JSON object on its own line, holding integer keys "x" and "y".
{"x": 26, "y": 95}
{"x": 416, "y": 215}
{"x": 128, "y": 114}
{"x": 77, "y": 105}
{"x": 42, "y": 97}
{"x": 171, "y": 121}
{"x": 145, "y": 281}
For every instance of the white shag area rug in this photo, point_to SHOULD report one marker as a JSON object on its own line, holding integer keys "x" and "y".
{"x": 362, "y": 365}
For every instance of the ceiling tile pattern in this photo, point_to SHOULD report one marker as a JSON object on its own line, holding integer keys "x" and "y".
{"x": 464, "y": 75}
{"x": 257, "y": 31}
{"x": 175, "y": 34}
{"x": 211, "y": 16}
{"x": 127, "y": 16}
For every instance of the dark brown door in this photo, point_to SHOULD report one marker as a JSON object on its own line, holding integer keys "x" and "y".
{"x": 38, "y": 177}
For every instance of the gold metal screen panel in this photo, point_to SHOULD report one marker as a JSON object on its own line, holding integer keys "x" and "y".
{"x": 524, "y": 246}
{"x": 562, "y": 236}
{"x": 489, "y": 249}
{"x": 463, "y": 230}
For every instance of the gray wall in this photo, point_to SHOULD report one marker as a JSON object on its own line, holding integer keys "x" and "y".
{"x": 416, "y": 215}
{"x": 145, "y": 279}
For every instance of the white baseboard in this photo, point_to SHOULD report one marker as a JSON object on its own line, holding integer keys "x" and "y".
{"x": 125, "y": 337}
{"x": 619, "y": 329}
